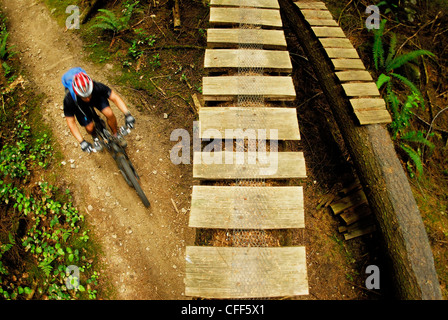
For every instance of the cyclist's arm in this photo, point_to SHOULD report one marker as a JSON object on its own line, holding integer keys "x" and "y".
{"x": 116, "y": 99}
{"x": 71, "y": 122}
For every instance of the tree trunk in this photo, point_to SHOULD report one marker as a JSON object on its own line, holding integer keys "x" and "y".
{"x": 92, "y": 7}
{"x": 381, "y": 174}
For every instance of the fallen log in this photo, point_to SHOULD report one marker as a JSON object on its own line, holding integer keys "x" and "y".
{"x": 90, "y": 9}
{"x": 176, "y": 15}
{"x": 381, "y": 175}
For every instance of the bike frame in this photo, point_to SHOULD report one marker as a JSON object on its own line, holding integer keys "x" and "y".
{"x": 109, "y": 141}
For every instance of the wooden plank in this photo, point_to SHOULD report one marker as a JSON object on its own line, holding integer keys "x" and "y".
{"x": 359, "y": 232}
{"x": 269, "y": 60}
{"x": 245, "y": 272}
{"x": 316, "y": 5}
{"x": 322, "y": 22}
{"x": 229, "y": 87}
{"x": 348, "y": 64}
{"x": 231, "y": 207}
{"x": 221, "y": 165}
{"x": 350, "y": 201}
{"x": 231, "y": 38}
{"x": 235, "y": 16}
{"x": 371, "y": 110}
{"x": 228, "y": 120}
{"x": 269, "y": 4}
{"x": 317, "y": 14}
{"x": 368, "y": 221}
{"x": 336, "y": 43}
{"x": 354, "y": 214}
{"x": 365, "y": 104}
{"x": 328, "y": 32}
{"x": 373, "y": 116}
{"x": 354, "y": 75}
{"x": 342, "y": 53}
{"x": 361, "y": 89}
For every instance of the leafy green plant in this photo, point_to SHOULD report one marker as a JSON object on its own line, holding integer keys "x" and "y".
{"x": 402, "y": 111}
{"x": 401, "y": 9}
{"x": 134, "y": 51}
{"x": 155, "y": 63}
{"x": 110, "y": 22}
{"x": 5, "y": 52}
{"x": 386, "y": 64}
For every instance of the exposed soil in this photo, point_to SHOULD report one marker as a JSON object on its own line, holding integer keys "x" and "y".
{"x": 143, "y": 249}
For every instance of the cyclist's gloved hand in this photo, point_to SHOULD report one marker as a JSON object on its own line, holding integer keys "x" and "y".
{"x": 86, "y": 146}
{"x": 129, "y": 120}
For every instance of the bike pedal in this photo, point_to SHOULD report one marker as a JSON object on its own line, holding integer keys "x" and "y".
{"x": 97, "y": 145}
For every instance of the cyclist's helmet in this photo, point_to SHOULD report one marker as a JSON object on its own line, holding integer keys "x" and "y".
{"x": 82, "y": 85}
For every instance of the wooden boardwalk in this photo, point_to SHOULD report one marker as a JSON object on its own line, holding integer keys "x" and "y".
{"x": 234, "y": 207}
{"x": 247, "y": 47}
{"x": 222, "y": 272}
{"x": 227, "y": 121}
{"x": 243, "y": 271}
{"x": 269, "y": 60}
{"x": 358, "y": 85}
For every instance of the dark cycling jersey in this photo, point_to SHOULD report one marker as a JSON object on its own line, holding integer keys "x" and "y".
{"x": 81, "y": 109}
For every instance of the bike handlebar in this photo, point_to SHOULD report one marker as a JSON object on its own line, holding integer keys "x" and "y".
{"x": 124, "y": 131}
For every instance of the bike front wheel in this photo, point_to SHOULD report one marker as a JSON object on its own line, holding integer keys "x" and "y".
{"x": 126, "y": 169}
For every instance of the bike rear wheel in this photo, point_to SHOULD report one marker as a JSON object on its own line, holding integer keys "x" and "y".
{"x": 127, "y": 170}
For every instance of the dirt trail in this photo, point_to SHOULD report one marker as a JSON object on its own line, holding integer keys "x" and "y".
{"x": 143, "y": 249}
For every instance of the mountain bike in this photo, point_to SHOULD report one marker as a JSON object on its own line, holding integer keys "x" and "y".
{"x": 110, "y": 143}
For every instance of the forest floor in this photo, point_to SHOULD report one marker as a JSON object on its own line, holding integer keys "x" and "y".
{"x": 142, "y": 250}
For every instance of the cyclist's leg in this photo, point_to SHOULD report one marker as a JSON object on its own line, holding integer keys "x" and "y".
{"x": 111, "y": 119}
{"x": 105, "y": 109}
{"x": 89, "y": 125}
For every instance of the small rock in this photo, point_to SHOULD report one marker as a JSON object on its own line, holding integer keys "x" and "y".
{"x": 73, "y": 166}
{"x": 183, "y": 210}
{"x": 165, "y": 116}
{"x": 107, "y": 194}
{"x": 63, "y": 163}
{"x": 155, "y": 172}
{"x": 89, "y": 207}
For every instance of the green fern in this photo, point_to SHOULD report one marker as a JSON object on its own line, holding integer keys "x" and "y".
{"x": 402, "y": 111}
{"x": 417, "y": 137}
{"x": 46, "y": 266}
{"x": 5, "y": 52}
{"x": 378, "y": 48}
{"x": 392, "y": 49}
{"x": 411, "y": 86}
{"x": 382, "y": 79}
{"x": 387, "y": 65}
{"x": 414, "y": 156}
{"x": 109, "y": 22}
{"x": 399, "y": 61}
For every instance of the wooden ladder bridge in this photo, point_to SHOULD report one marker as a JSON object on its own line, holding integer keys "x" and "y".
{"x": 216, "y": 272}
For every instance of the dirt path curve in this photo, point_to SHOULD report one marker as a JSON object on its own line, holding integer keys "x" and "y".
{"x": 143, "y": 249}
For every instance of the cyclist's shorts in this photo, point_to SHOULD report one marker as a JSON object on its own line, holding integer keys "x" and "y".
{"x": 88, "y": 117}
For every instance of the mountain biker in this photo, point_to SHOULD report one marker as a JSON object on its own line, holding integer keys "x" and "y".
{"x": 84, "y": 94}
